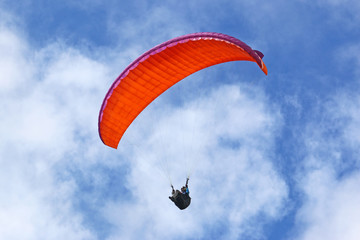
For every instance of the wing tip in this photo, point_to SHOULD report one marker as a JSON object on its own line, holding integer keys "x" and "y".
{"x": 264, "y": 68}
{"x": 260, "y": 54}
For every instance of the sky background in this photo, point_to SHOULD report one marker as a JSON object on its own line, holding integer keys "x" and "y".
{"x": 271, "y": 157}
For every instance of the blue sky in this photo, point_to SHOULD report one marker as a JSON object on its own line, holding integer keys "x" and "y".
{"x": 271, "y": 157}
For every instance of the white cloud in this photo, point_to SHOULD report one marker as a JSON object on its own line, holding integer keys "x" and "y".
{"x": 33, "y": 206}
{"x": 233, "y": 182}
{"x": 51, "y": 99}
{"x": 348, "y": 106}
{"x": 15, "y": 69}
{"x": 331, "y": 210}
{"x": 330, "y": 176}
{"x": 149, "y": 27}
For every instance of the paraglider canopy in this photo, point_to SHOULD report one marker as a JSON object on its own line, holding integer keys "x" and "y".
{"x": 160, "y": 68}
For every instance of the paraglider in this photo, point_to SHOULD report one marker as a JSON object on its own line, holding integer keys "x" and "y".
{"x": 157, "y": 70}
{"x": 181, "y": 198}
{"x": 160, "y": 68}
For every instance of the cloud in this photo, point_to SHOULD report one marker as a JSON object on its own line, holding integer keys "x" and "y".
{"x": 57, "y": 176}
{"x": 348, "y": 107}
{"x": 149, "y": 26}
{"x": 331, "y": 208}
{"x": 48, "y": 101}
{"x": 229, "y": 135}
{"x": 329, "y": 175}
{"x": 11, "y": 59}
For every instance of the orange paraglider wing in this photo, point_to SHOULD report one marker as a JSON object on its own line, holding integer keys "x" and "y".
{"x": 160, "y": 68}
